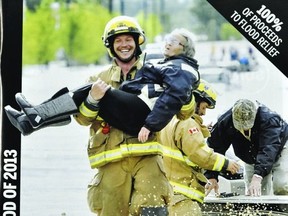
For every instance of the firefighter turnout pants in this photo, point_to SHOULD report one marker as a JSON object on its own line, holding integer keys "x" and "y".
{"x": 123, "y": 187}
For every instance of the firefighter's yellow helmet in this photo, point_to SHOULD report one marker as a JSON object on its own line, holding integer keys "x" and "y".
{"x": 207, "y": 93}
{"x": 121, "y": 25}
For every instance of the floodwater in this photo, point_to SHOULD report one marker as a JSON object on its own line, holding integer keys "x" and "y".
{"x": 54, "y": 166}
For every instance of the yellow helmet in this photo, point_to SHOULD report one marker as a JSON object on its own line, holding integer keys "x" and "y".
{"x": 120, "y": 25}
{"x": 207, "y": 93}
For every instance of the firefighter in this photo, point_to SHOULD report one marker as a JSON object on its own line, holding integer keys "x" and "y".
{"x": 186, "y": 154}
{"x": 130, "y": 178}
{"x": 259, "y": 137}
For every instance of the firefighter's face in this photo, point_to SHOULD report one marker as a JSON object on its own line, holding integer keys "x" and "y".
{"x": 202, "y": 108}
{"x": 174, "y": 45}
{"x": 124, "y": 46}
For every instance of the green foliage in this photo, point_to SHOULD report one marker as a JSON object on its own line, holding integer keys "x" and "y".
{"x": 151, "y": 25}
{"x": 82, "y": 29}
{"x": 39, "y": 35}
{"x": 209, "y": 20}
{"x": 205, "y": 12}
{"x": 228, "y": 32}
{"x": 32, "y": 4}
{"x": 76, "y": 28}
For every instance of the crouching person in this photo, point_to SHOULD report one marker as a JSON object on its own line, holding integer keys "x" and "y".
{"x": 186, "y": 154}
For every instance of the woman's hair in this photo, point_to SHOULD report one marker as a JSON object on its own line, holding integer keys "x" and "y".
{"x": 189, "y": 46}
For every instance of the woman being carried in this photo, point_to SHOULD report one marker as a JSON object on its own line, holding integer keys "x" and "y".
{"x": 146, "y": 103}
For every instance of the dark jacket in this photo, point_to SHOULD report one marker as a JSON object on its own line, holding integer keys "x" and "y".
{"x": 268, "y": 136}
{"x": 177, "y": 76}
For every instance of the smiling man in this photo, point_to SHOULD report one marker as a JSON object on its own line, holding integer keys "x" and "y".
{"x": 124, "y": 184}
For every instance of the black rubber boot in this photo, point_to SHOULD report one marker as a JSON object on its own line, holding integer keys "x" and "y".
{"x": 21, "y": 122}
{"x": 154, "y": 211}
{"x": 62, "y": 103}
{"x": 50, "y": 110}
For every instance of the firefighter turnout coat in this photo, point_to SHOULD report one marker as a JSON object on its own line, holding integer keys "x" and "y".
{"x": 177, "y": 76}
{"x": 108, "y": 144}
{"x": 128, "y": 171}
{"x": 186, "y": 154}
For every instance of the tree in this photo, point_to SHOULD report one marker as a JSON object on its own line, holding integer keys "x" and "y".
{"x": 82, "y": 27}
{"x": 76, "y": 28}
{"x": 151, "y": 25}
{"x": 229, "y": 32}
{"x": 39, "y": 35}
{"x": 32, "y": 4}
{"x": 208, "y": 16}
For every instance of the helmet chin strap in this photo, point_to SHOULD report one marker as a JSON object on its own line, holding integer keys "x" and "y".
{"x": 127, "y": 59}
{"x": 197, "y": 108}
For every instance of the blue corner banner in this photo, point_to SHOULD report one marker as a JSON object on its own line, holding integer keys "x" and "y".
{"x": 264, "y": 23}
